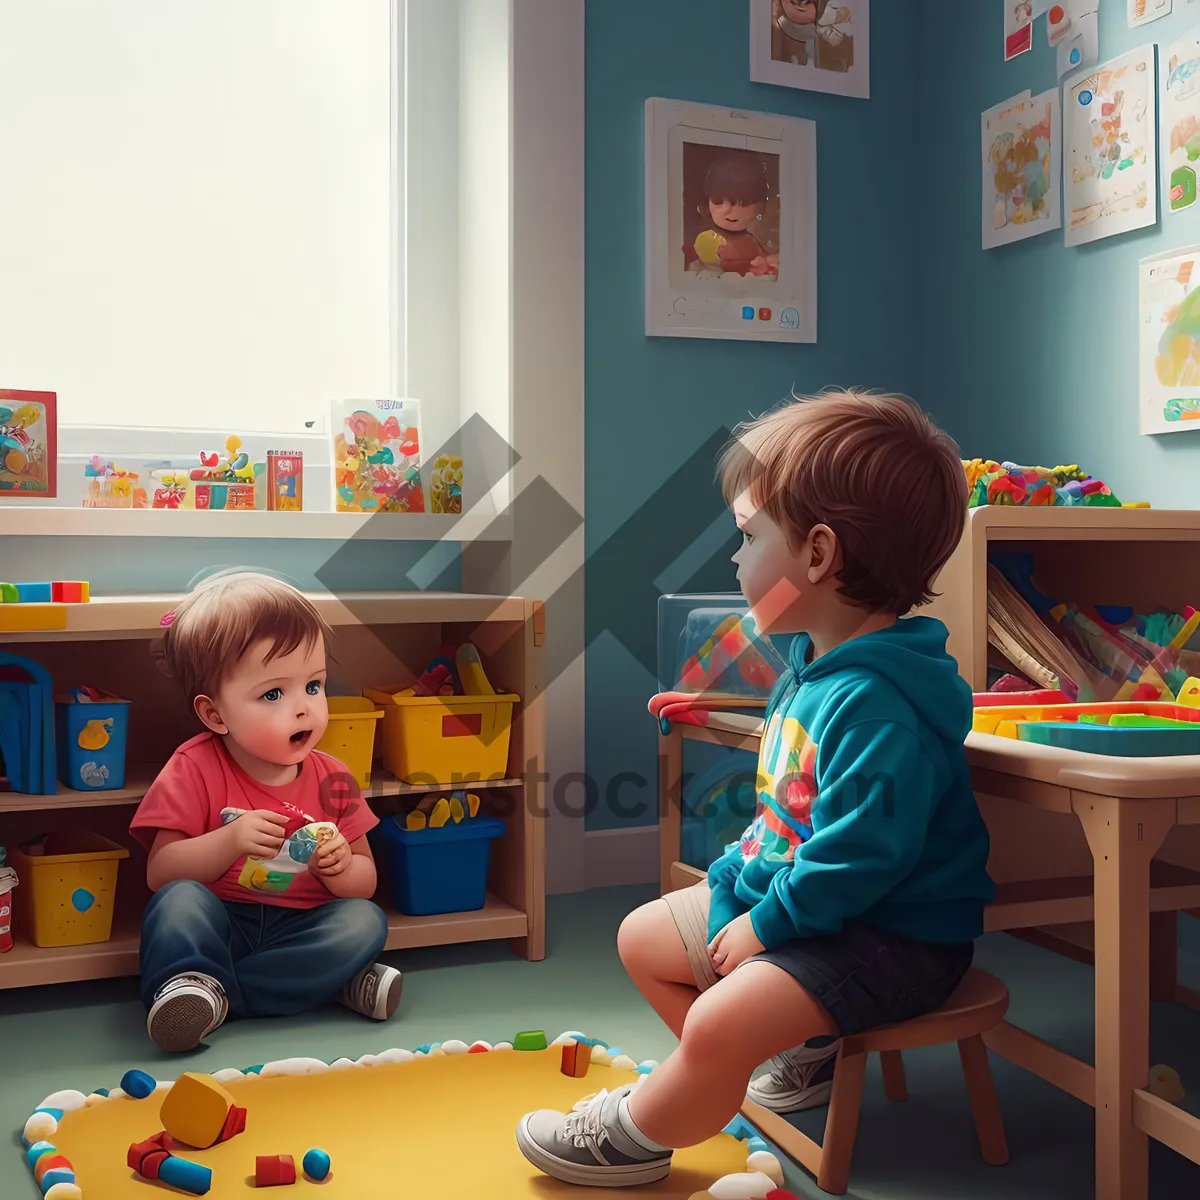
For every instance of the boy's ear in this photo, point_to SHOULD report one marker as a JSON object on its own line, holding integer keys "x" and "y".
{"x": 826, "y": 560}
{"x": 206, "y": 710}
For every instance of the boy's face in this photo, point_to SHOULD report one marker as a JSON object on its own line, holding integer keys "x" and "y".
{"x": 275, "y": 711}
{"x": 734, "y": 217}
{"x": 770, "y": 572}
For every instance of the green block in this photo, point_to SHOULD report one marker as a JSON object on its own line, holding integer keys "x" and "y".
{"x": 1146, "y": 721}
{"x": 531, "y": 1039}
{"x": 8, "y": 593}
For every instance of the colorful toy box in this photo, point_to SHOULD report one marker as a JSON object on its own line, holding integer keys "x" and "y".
{"x": 444, "y": 739}
{"x": 440, "y": 870}
{"x": 350, "y": 735}
{"x": 70, "y": 888}
{"x": 92, "y": 730}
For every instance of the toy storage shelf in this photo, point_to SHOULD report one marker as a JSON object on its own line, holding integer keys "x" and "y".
{"x": 379, "y": 639}
{"x": 1142, "y": 557}
{"x": 47, "y": 520}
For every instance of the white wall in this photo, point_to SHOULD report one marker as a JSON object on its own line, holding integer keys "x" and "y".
{"x": 195, "y": 217}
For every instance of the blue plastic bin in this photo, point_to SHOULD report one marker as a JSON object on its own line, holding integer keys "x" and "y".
{"x": 91, "y": 741}
{"x": 440, "y": 870}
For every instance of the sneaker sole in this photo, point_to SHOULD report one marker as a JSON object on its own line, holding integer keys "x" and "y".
{"x": 792, "y": 1102}
{"x": 180, "y": 1023}
{"x": 585, "y": 1176}
{"x": 393, "y": 998}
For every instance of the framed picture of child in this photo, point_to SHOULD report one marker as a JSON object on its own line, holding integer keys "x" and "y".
{"x": 821, "y": 45}
{"x": 28, "y": 444}
{"x": 730, "y": 224}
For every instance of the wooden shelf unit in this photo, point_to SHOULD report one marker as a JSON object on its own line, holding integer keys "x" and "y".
{"x": 380, "y": 639}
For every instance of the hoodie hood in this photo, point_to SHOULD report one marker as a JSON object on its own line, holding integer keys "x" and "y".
{"x": 911, "y": 656}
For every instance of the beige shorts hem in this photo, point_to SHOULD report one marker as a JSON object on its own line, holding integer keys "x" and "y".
{"x": 689, "y": 908}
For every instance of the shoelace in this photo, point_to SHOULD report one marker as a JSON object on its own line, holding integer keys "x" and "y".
{"x": 584, "y": 1125}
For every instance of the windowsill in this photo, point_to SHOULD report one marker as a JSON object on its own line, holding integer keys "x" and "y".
{"x": 32, "y": 520}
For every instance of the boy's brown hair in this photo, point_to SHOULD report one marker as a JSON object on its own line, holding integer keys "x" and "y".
{"x": 217, "y": 622}
{"x": 876, "y": 470}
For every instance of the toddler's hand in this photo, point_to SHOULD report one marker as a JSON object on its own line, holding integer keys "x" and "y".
{"x": 734, "y": 944}
{"x": 331, "y": 858}
{"x": 257, "y": 833}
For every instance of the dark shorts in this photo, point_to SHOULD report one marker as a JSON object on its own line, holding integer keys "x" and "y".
{"x": 862, "y": 976}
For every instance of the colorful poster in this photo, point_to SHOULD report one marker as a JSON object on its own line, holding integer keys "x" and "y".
{"x": 1110, "y": 168}
{"x": 1180, "y": 109}
{"x": 1169, "y": 341}
{"x": 1142, "y": 12}
{"x": 28, "y": 443}
{"x": 1021, "y": 154}
{"x": 1018, "y": 27}
{"x": 1081, "y": 46}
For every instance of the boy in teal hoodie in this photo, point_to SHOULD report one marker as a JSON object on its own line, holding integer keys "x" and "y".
{"x": 853, "y": 898}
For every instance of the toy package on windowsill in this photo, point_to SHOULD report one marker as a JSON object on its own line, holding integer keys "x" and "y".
{"x": 109, "y": 486}
{"x": 1007, "y": 483}
{"x": 377, "y": 456}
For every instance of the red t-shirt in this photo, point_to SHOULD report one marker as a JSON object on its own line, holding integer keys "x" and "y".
{"x": 202, "y": 788}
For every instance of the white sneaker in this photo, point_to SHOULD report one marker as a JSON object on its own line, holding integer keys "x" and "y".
{"x": 374, "y": 992}
{"x": 185, "y": 1011}
{"x": 798, "y": 1079}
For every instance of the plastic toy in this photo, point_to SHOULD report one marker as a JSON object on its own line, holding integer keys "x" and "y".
{"x": 109, "y": 486}
{"x": 64, "y": 1191}
{"x": 285, "y": 481}
{"x": 471, "y": 673}
{"x": 316, "y": 1165}
{"x": 9, "y": 594}
{"x": 91, "y": 732}
{"x": 152, "y": 1159}
{"x": 1111, "y": 740}
{"x": 52, "y": 1168}
{"x": 23, "y": 618}
{"x": 63, "y": 591}
{"x": 576, "y": 1057}
{"x": 445, "y": 484}
{"x": 274, "y": 1170}
{"x": 1007, "y": 483}
{"x": 138, "y": 1084}
{"x": 530, "y": 1039}
{"x": 733, "y": 643}
{"x": 199, "y": 1112}
{"x": 34, "y": 593}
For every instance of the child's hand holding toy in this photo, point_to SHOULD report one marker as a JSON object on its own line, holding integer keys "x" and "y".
{"x": 257, "y": 834}
{"x": 333, "y": 857}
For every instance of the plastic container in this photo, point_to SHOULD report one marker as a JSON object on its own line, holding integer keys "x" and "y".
{"x": 350, "y": 735}
{"x": 445, "y": 739}
{"x": 69, "y": 889}
{"x": 91, "y": 739}
{"x": 440, "y": 870}
{"x": 1123, "y": 741}
{"x": 1004, "y": 719}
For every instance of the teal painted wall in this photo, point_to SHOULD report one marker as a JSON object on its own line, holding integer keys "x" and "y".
{"x": 1029, "y": 352}
{"x": 652, "y": 402}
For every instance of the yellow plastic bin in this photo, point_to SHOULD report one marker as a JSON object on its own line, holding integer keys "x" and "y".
{"x": 445, "y": 739}
{"x": 69, "y": 890}
{"x": 350, "y": 735}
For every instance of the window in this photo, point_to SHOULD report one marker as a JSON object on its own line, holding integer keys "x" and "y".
{"x": 196, "y": 228}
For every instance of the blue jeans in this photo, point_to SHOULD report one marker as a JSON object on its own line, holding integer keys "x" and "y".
{"x": 271, "y": 961}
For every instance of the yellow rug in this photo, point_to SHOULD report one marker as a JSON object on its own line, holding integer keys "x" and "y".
{"x": 439, "y": 1127}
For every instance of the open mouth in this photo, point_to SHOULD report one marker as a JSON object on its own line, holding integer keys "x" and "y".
{"x": 301, "y": 738}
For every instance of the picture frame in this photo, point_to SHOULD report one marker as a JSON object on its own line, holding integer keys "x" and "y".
{"x": 28, "y": 444}
{"x": 731, "y": 224}
{"x": 817, "y": 45}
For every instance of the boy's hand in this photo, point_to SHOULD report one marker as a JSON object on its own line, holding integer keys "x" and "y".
{"x": 734, "y": 944}
{"x": 257, "y": 833}
{"x": 332, "y": 857}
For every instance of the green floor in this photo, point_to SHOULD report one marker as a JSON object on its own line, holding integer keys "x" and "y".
{"x": 87, "y": 1035}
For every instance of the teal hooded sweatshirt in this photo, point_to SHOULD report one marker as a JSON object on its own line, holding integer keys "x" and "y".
{"x": 865, "y": 809}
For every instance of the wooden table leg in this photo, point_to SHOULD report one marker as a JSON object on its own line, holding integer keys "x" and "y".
{"x": 670, "y": 803}
{"x": 1164, "y": 956}
{"x": 1124, "y": 836}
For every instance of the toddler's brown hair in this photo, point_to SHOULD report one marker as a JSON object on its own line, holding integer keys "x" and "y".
{"x": 875, "y": 469}
{"x": 222, "y": 617}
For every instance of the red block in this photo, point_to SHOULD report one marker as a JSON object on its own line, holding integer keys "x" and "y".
{"x": 146, "y": 1157}
{"x": 64, "y": 591}
{"x": 272, "y": 1170}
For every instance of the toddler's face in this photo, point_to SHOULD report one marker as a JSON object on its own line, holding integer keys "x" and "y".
{"x": 770, "y": 573}
{"x": 276, "y": 710}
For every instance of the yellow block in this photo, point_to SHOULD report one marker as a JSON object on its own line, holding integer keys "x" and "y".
{"x": 195, "y": 1110}
{"x": 352, "y": 1115}
{"x": 17, "y": 618}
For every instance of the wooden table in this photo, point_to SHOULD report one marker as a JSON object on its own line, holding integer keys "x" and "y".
{"x": 1126, "y": 808}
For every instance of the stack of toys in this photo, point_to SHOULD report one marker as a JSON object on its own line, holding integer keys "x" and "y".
{"x": 110, "y": 486}
{"x": 38, "y": 606}
{"x": 1007, "y": 483}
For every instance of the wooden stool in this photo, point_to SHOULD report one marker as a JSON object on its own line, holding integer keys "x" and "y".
{"x": 978, "y": 1005}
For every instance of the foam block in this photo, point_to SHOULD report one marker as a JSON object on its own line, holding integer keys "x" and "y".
{"x": 138, "y": 1084}
{"x": 18, "y": 618}
{"x": 274, "y": 1170}
{"x": 576, "y": 1057}
{"x": 34, "y": 593}
{"x": 316, "y": 1165}
{"x": 199, "y": 1112}
{"x": 530, "y": 1039}
{"x": 70, "y": 591}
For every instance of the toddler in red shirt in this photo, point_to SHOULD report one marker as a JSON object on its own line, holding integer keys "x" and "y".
{"x": 258, "y": 855}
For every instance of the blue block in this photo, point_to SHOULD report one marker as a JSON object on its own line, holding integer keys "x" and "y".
{"x": 316, "y": 1165}
{"x": 740, "y": 1128}
{"x": 57, "y": 1175}
{"x": 185, "y": 1175}
{"x": 33, "y": 593}
{"x": 755, "y": 1144}
{"x": 424, "y": 1048}
{"x": 138, "y": 1084}
{"x": 37, "y": 1150}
